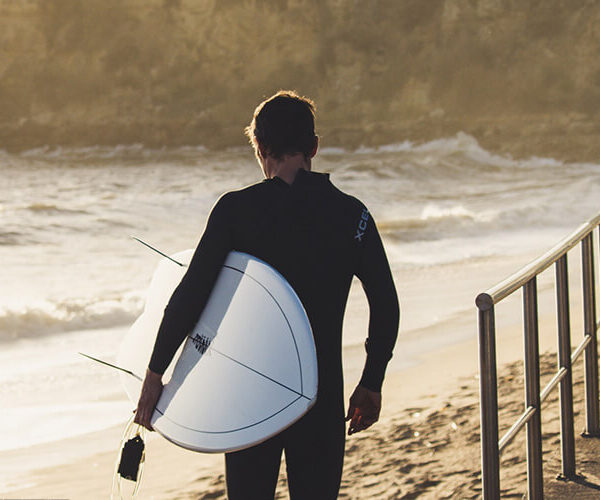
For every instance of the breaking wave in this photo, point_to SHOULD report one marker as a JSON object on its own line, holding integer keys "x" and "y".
{"x": 47, "y": 317}
{"x": 121, "y": 151}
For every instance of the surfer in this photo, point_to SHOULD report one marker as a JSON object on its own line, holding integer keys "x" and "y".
{"x": 318, "y": 238}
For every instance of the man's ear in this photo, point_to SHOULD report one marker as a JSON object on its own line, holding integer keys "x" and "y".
{"x": 315, "y": 147}
{"x": 262, "y": 151}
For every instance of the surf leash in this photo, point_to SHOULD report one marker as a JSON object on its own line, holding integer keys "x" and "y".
{"x": 130, "y": 460}
{"x": 159, "y": 252}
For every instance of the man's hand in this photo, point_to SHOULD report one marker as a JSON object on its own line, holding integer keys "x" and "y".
{"x": 363, "y": 410}
{"x": 151, "y": 390}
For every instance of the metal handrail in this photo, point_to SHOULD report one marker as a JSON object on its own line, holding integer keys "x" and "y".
{"x": 503, "y": 289}
{"x": 526, "y": 279}
{"x": 515, "y": 428}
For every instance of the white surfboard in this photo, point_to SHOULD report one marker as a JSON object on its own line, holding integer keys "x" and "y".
{"x": 247, "y": 370}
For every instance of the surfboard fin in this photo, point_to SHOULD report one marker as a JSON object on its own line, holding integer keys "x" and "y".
{"x": 159, "y": 252}
{"x": 112, "y": 366}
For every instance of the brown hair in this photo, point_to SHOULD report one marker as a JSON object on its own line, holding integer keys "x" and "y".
{"x": 283, "y": 124}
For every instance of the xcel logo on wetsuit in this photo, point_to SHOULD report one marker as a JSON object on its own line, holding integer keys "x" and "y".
{"x": 362, "y": 225}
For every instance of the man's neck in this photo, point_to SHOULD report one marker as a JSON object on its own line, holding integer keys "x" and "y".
{"x": 285, "y": 168}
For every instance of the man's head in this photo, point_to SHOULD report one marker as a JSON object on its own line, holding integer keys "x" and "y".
{"x": 284, "y": 124}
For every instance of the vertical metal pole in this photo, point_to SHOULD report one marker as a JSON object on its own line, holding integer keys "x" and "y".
{"x": 532, "y": 391}
{"x": 567, "y": 436}
{"x": 591, "y": 351}
{"x": 490, "y": 457}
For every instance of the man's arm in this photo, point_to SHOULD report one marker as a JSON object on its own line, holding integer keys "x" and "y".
{"x": 384, "y": 315}
{"x": 186, "y": 305}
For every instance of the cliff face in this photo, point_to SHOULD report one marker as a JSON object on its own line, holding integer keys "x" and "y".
{"x": 520, "y": 75}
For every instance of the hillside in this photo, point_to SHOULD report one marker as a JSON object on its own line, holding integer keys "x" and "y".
{"x": 521, "y": 76}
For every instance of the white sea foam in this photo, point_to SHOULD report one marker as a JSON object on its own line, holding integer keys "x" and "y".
{"x": 332, "y": 150}
{"x": 432, "y": 211}
{"x": 120, "y": 151}
{"x": 460, "y": 143}
{"x": 71, "y": 204}
{"x": 46, "y": 317}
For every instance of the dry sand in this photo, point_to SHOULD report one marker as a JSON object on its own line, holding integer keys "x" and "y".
{"x": 426, "y": 444}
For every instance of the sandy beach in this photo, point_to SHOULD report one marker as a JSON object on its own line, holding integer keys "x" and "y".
{"x": 426, "y": 444}
{"x": 404, "y": 454}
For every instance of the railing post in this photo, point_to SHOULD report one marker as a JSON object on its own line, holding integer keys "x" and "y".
{"x": 532, "y": 391}
{"x": 567, "y": 436}
{"x": 490, "y": 457}
{"x": 591, "y": 352}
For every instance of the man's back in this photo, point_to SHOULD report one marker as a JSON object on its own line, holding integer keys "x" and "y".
{"x": 317, "y": 237}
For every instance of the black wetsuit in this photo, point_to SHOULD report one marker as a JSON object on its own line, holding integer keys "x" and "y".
{"x": 318, "y": 238}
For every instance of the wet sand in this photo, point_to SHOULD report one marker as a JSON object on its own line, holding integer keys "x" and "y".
{"x": 425, "y": 446}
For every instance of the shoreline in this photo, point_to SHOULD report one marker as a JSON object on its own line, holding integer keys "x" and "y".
{"x": 431, "y": 386}
{"x": 169, "y": 467}
{"x": 447, "y": 392}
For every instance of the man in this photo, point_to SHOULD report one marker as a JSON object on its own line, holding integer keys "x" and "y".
{"x": 318, "y": 238}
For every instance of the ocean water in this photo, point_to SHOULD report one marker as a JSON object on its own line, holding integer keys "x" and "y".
{"x": 74, "y": 279}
